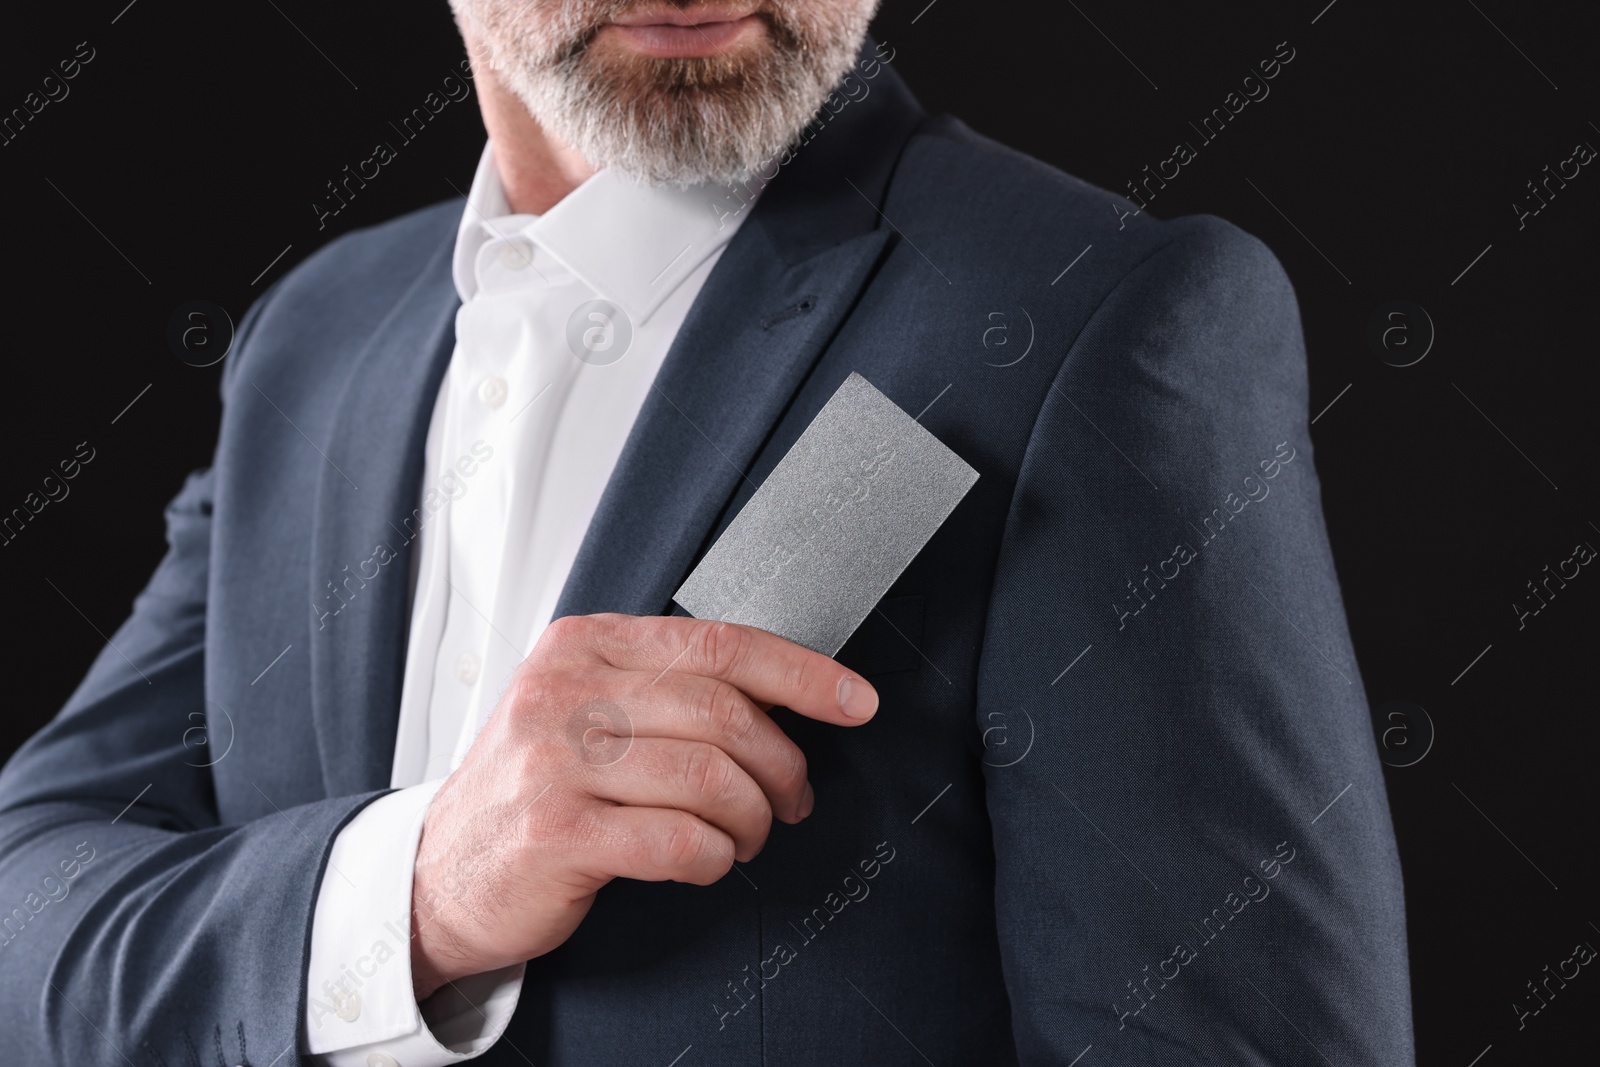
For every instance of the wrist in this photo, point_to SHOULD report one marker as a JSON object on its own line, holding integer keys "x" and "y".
{"x": 436, "y": 954}
{"x": 432, "y": 962}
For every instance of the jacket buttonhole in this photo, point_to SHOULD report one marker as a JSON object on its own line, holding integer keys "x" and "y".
{"x": 805, "y": 305}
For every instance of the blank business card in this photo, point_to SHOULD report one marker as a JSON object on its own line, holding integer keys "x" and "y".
{"x": 842, "y": 514}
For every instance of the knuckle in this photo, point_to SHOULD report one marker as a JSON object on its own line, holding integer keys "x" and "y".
{"x": 585, "y": 832}
{"x": 798, "y": 674}
{"x": 562, "y": 632}
{"x": 526, "y": 759}
{"x": 683, "y": 845}
{"x": 554, "y": 820}
{"x": 720, "y": 647}
{"x": 531, "y": 689}
{"x": 581, "y": 841}
{"x": 705, "y": 772}
{"x": 572, "y": 635}
{"x": 553, "y": 754}
{"x": 724, "y": 713}
{"x": 567, "y": 816}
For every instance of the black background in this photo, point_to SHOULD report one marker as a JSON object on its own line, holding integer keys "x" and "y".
{"x": 190, "y": 149}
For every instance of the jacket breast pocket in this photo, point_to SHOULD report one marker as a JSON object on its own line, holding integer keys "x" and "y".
{"x": 887, "y": 641}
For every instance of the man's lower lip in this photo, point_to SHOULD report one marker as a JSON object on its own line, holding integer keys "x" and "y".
{"x": 706, "y": 39}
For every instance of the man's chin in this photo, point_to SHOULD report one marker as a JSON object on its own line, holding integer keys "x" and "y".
{"x": 683, "y": 119}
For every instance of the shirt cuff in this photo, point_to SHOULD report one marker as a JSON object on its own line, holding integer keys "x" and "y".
{"x": 360, "y": 1005}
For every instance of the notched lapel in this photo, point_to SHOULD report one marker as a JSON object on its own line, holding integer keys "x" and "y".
{"x": 747, "y": 345}
{"x": 377, "y": 445}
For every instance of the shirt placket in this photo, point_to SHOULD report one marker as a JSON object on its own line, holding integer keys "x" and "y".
{"x": 479, "y": 464}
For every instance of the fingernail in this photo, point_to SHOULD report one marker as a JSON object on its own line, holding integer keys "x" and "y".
{"x": 856, "y": 698}
{"x": 808, "y": 802}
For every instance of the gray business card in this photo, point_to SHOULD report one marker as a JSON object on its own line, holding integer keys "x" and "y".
{"x": 834, "y": 524}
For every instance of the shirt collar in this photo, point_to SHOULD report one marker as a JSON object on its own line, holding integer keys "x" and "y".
{"x": 631, "y": 243}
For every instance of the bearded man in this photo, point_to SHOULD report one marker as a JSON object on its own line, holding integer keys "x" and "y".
{"x": 1094, "y": 783}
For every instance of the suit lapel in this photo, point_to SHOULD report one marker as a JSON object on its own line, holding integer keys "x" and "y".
{"x": 779, "y": 293}
{"x": 724, "y": 385}
{"x": 782, "y": 288}
{"x": 377, "y": 446}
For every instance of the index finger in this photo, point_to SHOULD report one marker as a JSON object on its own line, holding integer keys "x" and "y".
{"x": 767, "y": 668}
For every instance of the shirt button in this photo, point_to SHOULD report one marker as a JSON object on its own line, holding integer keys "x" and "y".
{"x": 347, "y": 1005}
{"x": 516, "y": 254}
{"x": 378, "y": 1059}
{"x": 492, "y": 391}
{"x": 467, "y": 668}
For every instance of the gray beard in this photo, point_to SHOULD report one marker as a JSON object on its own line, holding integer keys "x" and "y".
{"x": 688, "y": 121}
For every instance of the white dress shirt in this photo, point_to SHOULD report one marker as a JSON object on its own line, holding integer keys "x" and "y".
{"x": 542, "y": 390}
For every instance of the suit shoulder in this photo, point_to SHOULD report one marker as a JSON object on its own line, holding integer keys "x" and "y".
{"x": 366, "y": 268}
{"x": 1210, "y": 304}
{"x": 1018, "y": 215}
{"x": 339, "y": 294}
{"x": 393, "y": 246}
{"x": 1211, "y": 249}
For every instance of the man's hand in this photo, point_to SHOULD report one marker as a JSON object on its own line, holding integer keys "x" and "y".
{"x": 623, "y": 747}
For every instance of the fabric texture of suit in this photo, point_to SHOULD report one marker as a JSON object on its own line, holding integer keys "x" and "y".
{"x": 1092, "y": 747}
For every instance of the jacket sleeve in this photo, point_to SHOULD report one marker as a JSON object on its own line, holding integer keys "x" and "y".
{"x": 134, "y": 928}
{"x": 1195, "y": 860}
